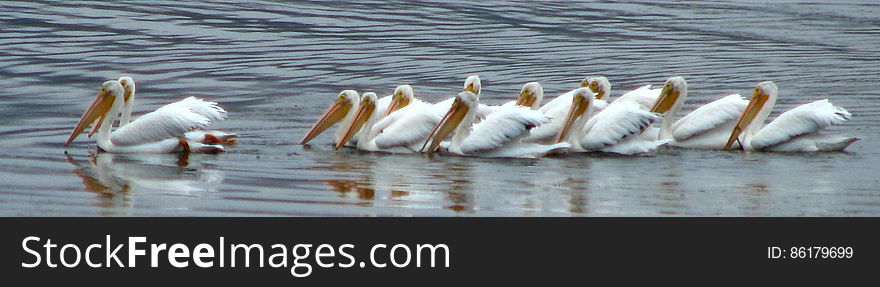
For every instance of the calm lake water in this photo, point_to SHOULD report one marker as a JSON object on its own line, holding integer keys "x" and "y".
{"x": 276, "y": 66}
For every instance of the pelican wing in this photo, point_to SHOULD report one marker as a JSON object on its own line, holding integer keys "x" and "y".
{"x": 563, "y": 100}
{"x": 407, "y": 126}
{"x": 616, "y": 123}
{"x": 709, "y": 116}
{"x": 644, "y": 96}
{"x": 170, "y": 121}
{"x": 504, "y": 126}
{"x": 548, "y": 132}
{"x": 805, "y": 119}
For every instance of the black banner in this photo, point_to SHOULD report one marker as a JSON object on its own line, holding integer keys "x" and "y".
{"x": 540, "y": 251}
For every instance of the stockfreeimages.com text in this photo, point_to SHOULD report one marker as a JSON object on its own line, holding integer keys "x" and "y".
{"x": 204, "y": 255}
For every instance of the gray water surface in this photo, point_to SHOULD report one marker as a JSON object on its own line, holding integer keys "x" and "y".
{"x": 276, "y": 66}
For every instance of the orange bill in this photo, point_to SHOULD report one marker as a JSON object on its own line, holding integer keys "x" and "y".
{"x": 363, "y": 114}
{"x": 667, "y": 98}
{"x": 578, "y": 106}
{"x": 96, "y": 111}
{"x": 446, "y": 126}
{"x": 335, "y": 113}
{"x": 526, "y": 99}
{"x": 397, "y": 102}
{"x": 755, "y": 104}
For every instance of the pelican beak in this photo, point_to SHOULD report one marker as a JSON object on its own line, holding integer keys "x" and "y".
{"x": 127, "y": 90}
{"x": 447, "y": 124}
{"x": 578, "y": 107}
{"x": 667, "y": 98}
{"x": 364, "y": 112}
{"x": 96, "y": 125}
{"x": 335, "y": 113}
{"x": 593, "y": 88}
{"x": 397, "y": 102}
{"x": 96, "y": 112}
{"x": 470, "y": 88}
{"x": 526, "y": 99}
{"x": 755, "y": 104}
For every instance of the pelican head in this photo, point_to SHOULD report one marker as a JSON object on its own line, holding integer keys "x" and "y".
{"x": 110, "y": 94}
{"x": 463, "y": 104}
{"x": 128, "y": 85}
{"x": 472, "y": 84}
{"x": 759, "y": 107}
{"x": 673, "y": 92}
{"x": 598, "y": 85}
{"x": 403, "y": 96}
{"x": 531, "y": 95}
{"x": 335, "y": 113}
{"x": 580, "y": 103}
{"x": 365, "y": 110}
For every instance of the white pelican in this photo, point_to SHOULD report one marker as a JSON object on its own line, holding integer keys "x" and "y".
{"x": 499, "y": 135}
{"x": 558, "y": 108}
{"x": 645, "y": 96}
{"x": 201, "y": 136}
{"x": 797, "y": 130}
{"x": 474, "y": 85}
{"x": 707, "y": 127}
{"x": 404, "y": 96}
{"x": 615, "y": 129}
{"x": 403, "y": 131}
{"x": 408, "y": 121}
{"x": 364, "y": 118}
{"x": 338, "y": 111}
{"x": 161, "y": 131}
{"x": 530, "y": 96}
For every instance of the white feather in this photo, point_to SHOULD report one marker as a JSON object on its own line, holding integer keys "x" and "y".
{"x": 708, "y": 117}
{"x": 407, "y": 127}
{"x": 616, "y": 123}
{"x": 644, "y": 96}
{"x": 557, "y": 110}
{"x": 504, "y": 126}
{"x": 170, "y": 121}
{"x": 805, "y": 119}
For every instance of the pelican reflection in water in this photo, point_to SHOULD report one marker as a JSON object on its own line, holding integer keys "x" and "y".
{"x": 402, "y": 180}
{"x": 117, "y": 176}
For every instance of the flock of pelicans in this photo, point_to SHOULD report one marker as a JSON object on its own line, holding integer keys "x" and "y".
{"x": 581, "y": 120}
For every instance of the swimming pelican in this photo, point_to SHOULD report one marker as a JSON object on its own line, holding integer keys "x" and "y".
{"x": 615, "y": 129}
{"x": 403, "y": 131}
{"x": 707, "y": 127}
{"x": 474, "y": 85}
{"x": 556, "y": 110}
{"x": 559, "y": 108}
{"x": 530, "y": 96}
{"x": 645, "y": 96}
{"x": 161, "y": 131}
{"x": 797, "y": 130}
{"x": 200, "y": 136}
{"x": 499, "y": 135}
{"x": 407, "y": 122}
